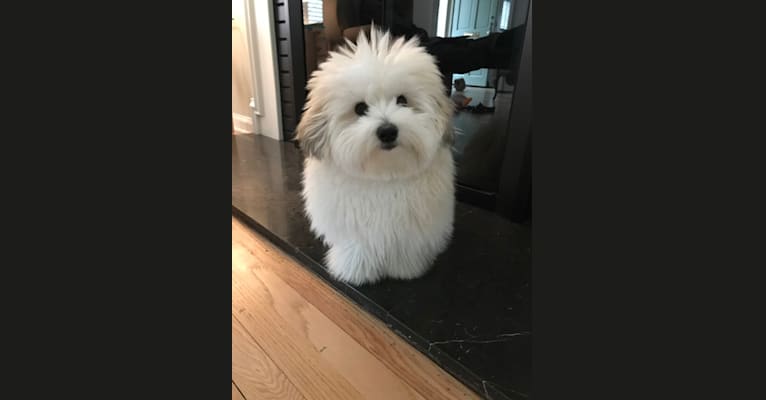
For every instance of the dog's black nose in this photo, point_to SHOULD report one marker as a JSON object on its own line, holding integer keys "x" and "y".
{"x": 387, "y": 132}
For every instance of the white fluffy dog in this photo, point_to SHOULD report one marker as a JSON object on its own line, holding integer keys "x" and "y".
{"x": 379, "y": 175}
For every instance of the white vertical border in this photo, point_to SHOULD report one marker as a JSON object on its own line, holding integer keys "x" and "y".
{"x": 267, "y": 113}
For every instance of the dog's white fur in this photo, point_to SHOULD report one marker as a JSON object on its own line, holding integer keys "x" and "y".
{"x": 383, "y": 213}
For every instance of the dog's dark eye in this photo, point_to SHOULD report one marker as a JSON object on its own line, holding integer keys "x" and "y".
{"x": 401, "y": 100}
{"x": 360, "y": 108}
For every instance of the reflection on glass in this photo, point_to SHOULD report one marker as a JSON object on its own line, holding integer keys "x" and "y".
{"x": 477, "y": 44}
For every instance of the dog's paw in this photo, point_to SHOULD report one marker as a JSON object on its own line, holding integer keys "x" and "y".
{"x": 352, "y": 265}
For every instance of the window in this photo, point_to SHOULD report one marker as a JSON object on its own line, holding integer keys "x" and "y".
{"x": 312, "y": 12}
{"x": 505, "y": 15}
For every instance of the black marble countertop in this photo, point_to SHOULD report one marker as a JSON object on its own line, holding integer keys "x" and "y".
{"x": 471, "y": 313}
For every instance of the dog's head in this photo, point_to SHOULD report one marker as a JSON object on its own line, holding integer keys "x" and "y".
{"x": 377, "y": 109}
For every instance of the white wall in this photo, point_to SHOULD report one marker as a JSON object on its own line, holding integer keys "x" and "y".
{"x": 241, "y": 76}
{"x": 254, "y": 66}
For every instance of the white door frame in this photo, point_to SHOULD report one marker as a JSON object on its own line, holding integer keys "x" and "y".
{"x": 444, "y": 18}
{"x": 261, "y": 39}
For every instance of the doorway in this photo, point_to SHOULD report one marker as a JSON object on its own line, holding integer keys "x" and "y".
{"x": 475, "y": 19}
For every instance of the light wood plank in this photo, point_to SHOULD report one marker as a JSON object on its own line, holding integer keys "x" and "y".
{"x": 254, "y": 373}
{"x": 235, "y": 394}
{"x": 362, "y": 369}
{"x": 254, "y": 306}
{"x": 407, "y": 363}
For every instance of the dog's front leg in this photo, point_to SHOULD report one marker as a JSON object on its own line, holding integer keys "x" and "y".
{"x": 353, "y": 264}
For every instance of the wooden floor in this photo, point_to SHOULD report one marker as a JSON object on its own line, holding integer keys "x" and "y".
{"x": 294, "y": 337}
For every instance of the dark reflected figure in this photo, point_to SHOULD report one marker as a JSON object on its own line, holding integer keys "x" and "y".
{"x": 458, "y": 55}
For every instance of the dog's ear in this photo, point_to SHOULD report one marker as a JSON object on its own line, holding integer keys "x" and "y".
{"x": 448, "y": 138}
{"x": 447, "y": 110}
{"x": 311, "y": 131}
